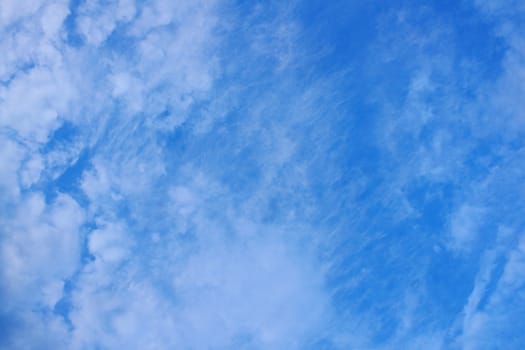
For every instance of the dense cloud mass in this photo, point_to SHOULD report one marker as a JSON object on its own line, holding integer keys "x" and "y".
{"x": 262, "y": 175}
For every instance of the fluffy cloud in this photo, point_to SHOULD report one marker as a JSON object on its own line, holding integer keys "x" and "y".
{"x": 44, "y": 247}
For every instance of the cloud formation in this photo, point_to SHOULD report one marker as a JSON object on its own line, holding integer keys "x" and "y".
{"x": 225, "y": 175}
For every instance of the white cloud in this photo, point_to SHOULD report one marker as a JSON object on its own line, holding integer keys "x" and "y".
{"x": 110, "y": 243}
{"x": 259, "y": 292}
{"x": 121, "y": 315}
{"x": 465, "y": 225}
{"x": 12, "y": 11}
{"x": 53, "y": 17}
{"x": 485, "y": 324}
{"x": 505, "y": 100}
{"x": 42, "y": 249}
{"x": 35, "y": 39}
{"x": 257, "y": 289}
{"x": 33, "y": 102}
{"x": 37, "y": 91}
{"x": 98, "y": 19}
{"x": 500, "y": 7}
{"x": 11, "y": 157}
{"x": 30, "y": 173}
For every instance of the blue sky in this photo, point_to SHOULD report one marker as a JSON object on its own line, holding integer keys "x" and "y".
{"x": 262, "y": 175}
